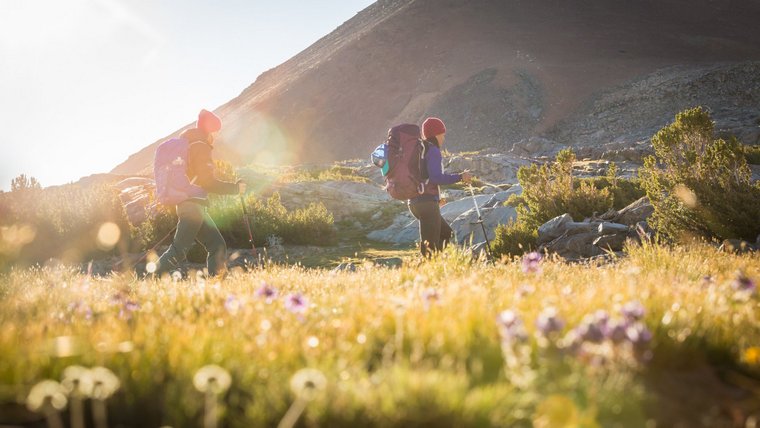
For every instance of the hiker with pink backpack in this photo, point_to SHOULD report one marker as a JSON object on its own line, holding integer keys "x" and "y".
{"x": 184, "y": 175}
{"x": 412, "y": 164}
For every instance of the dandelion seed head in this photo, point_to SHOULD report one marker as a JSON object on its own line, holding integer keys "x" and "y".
{"x": 77, "y": 380}
{"x": 46, "y": 391}
{"x": 212, "y": 378}
{"x": 308, "y": 383}
{"x": 104, "y": 383}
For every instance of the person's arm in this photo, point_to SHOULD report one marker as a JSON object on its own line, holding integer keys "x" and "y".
{"x": 435, "y": 170}
{"x": 202, "y": 171}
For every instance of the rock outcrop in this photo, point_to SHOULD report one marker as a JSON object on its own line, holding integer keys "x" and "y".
{"x": 460, "y": 214}
{"x": 580, "y": 240}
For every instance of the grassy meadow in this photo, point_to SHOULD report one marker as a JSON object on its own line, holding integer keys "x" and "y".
{"x": 663, "y": 337}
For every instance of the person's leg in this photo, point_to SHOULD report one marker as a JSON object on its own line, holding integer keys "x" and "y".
{"x": 190, "y": 221}
{"x": 211, "y": 239}
{"x": 428, "y": 213}
{"x": 446, "y": 232}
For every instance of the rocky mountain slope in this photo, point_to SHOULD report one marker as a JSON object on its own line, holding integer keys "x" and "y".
{"x": 581, "y": 72}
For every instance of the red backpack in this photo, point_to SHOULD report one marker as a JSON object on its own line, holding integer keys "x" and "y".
{"x": 405, "y": 155}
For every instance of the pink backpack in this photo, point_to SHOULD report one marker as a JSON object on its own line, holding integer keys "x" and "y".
{"x": 405, "y": 155}
{"x": 170, "y": 171}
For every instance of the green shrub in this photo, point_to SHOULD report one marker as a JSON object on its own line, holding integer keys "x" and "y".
{"x": 700, "y": 186}
{"x": 157, "y": 228}
{"x": 476, "y": 183}
{"x": 64, "y": 221}
{"x": 624, "y": 191}
{"x": 310, "y": 225}
{"x": 550, "y": 190}
{"x": 224, "y": 171}
{"x": 332, "y": 173}
{"x": 514, "y": 239}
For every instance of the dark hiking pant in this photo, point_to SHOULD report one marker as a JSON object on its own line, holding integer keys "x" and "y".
{"x": 435, "y": 233}
{"x": 194, "y": 223}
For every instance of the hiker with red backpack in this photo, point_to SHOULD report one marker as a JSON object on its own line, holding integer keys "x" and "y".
{"x": 435, "y": 233}
{"x": 412, "y": 165}
{"x": 184, "y": 175}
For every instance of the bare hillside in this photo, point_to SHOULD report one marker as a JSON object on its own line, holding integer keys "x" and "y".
{"x": 497, "y": 71}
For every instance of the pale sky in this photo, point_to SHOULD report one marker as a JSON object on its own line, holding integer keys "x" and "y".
{"x": 86, "y": 83}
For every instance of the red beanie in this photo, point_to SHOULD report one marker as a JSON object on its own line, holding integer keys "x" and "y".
{"x": 208, "y": 122}
{"x": 432, "y": 126}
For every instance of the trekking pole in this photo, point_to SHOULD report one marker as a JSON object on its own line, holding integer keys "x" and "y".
{"x": 247, "y": 216}
{"x": 480, "y": 220}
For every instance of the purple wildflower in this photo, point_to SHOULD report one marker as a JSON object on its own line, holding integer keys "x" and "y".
{"x": 531, "y": 262}
{"x": 510, "y": 327}
{"x": 430, "y": 296}
{"x": 131, "y": 305}
{"x": 128, "y": 308}
{"x": 601, "y": 318}
{"x": 508, "y": 319}
{"x": 266, "y": 292}
{"x": 549, "y": 322}
{"x": 633, "y": 311}
{"x": 232, "y": 304}
{"x": 639, "y": 334}
{"x": 117, "y": 298}
{"x": 744, "y": 284}
{"x": 296, "y": 303}
{"x": 80, "y": 307}
{"x": 616, "y": 331}
{"x": 571, "y": 343}
{"x": 590, "y": 331}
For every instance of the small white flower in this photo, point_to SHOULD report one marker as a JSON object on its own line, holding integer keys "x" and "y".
{"x": 77, "y": 380}
{"x": 212, "y": 378}
{"x": 47, "y": 391}
{"x": 104, "y": 383}
{"x": 308, "y": 383}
